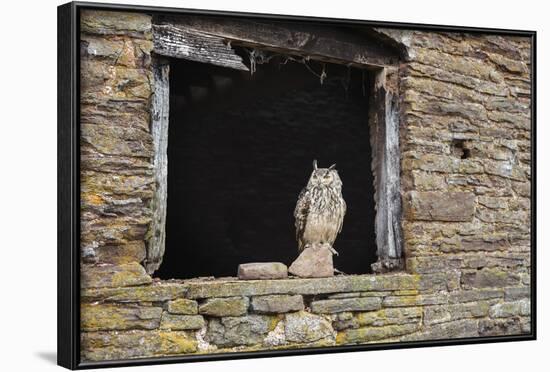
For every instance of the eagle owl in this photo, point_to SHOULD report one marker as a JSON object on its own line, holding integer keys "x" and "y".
{"x": 320, "y": 209}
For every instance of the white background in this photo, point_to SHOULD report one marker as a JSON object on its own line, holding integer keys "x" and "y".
{"x": 28, "y": 185}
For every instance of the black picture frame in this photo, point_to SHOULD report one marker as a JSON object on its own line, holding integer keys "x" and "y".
{"x": 68, "y": 279}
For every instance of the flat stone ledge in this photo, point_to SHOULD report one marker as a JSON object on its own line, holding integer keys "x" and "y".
{"x": 341, "y": 286}
{"x": 311, "y": 286}
{"x": 155, "y": 292}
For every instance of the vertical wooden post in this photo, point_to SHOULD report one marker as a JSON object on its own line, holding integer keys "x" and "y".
{"x": 384, "y": 127}
{"x": 159, "y": 130}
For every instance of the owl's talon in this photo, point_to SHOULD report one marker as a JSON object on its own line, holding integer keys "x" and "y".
{"x": 333, "y": 251}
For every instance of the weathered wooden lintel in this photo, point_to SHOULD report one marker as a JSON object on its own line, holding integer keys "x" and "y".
{"x": 180, "y": 42}
{"x": 322, "y": 43}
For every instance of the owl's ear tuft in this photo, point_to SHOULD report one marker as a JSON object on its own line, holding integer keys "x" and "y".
{"x": 333, "y": 166}
{"x": 315, "y": 164}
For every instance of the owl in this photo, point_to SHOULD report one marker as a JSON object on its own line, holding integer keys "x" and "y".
{"x": 320, "y": 209}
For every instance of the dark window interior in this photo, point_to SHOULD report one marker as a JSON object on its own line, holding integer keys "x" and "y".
{"x": 240, "y": 150}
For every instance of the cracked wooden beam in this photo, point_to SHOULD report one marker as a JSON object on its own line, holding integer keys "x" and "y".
{"x": 180, "y": 42}
{"x": 335, "y": 45}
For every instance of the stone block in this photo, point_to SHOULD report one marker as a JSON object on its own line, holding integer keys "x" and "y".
{"x": 304, "y": 327}
{"x": 444, "y": 281}
{"x": 372, "y": 334}
{"x": 475, "y": 295}
{"x": 120, "y": 114}
{"x": 116, "y": 345}
{"x": 487, "y": 244}
{"x": 489, "y": 277}
{"x": 262, "y": 270}
{"x": 428, "y": 181}
{"x": 115, "y": 23}
{"x": 517, "y": 293}
{"x": 110, "y": 186}
{"x": 510, "y": 309}
{"x": 439, "y": 206}
{"x": 424, "y": 299}
{"x": 432, "y": 163}
{"x": 104, "y": 317}
{"x": 183, "y": 306}
{"x": 93, "y": 276}
{"x": 228, "y": 306}
{"x": 346, "y": 304}
{"x": 133, "y": 53}
{"x": 433, "y": 264}
{"x": 364, "y": 294}
{"x": 461, "y": 65}
{"x": 102, "y": 81}
{"x": 500, "y": 327}
{"x": 155, "y": 292}
{"x": 447, "y": 330}
{"x": 177, "y": 322}
{"x": 113, "y": 140}
{"x": 277, "y": 303}
{"x": 133, "y": 251}
{"x": 111, "y": 230}
{"x": 313, "y": 262}
{"x": 382, "y": 317}
{"x": 446, "y": 313}
{"x": 236, "y": 331}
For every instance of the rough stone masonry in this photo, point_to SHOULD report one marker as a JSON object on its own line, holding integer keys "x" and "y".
{"x": 465, "y": 185}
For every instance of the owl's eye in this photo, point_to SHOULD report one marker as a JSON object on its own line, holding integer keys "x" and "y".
{"x": 326, "y": 176}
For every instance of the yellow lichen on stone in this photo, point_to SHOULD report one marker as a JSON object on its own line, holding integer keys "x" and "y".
{"x": 176, "y": 343}
{"x": 100, "y": 317}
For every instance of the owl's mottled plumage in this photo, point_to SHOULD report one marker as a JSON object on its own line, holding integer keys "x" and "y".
{"x": 320, "y": 209}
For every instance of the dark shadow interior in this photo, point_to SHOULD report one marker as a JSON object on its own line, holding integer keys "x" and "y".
{"x": 240, "y": 150}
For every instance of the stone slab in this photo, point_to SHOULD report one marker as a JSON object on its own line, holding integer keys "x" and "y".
{"x": 313, "y": 262}
{"x": 262, "y": 270}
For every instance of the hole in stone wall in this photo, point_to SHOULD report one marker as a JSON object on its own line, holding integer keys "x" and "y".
{"x": 459, "y": 149}
{"x": 240, "y": 150}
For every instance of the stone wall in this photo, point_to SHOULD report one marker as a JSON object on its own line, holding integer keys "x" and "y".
{"x": 465, "y": 148}
{"x": 466, "y": 172}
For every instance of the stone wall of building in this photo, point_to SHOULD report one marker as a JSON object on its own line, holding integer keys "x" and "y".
{"x": 466, "y": 172}
{"x": 465, "y": 148}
